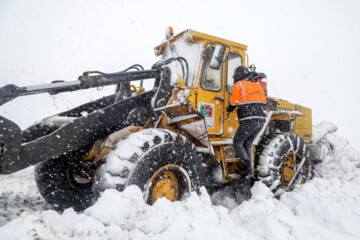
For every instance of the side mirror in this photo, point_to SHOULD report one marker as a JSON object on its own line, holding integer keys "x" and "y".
{"x": 218, "y": 57}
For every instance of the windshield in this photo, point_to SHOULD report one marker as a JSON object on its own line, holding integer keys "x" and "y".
{"x": 191, "y": 52}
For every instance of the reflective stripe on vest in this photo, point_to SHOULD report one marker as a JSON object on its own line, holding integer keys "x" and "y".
{"x": 251, "y": 118}
{"x": 245, "y": 92}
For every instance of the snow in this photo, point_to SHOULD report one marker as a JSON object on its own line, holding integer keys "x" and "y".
{"x": 322, "y": 129}
{"x": 55, "y": 121}
{"x": 324, "y": 208}
{"x": 19, "y": 194}
{"x": 310, "y": 56}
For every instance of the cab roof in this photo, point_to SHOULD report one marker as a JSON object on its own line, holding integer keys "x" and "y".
{"x": 194, "y": 36}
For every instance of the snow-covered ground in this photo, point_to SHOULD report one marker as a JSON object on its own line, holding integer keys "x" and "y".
{"x": 327, "y": 207}
{"x": 309, "y": 51}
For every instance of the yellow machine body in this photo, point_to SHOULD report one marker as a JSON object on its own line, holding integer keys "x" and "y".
{"x": 219, "y": 127}
{"x": 201, "y": 116}
{"x": 212, "y": 103}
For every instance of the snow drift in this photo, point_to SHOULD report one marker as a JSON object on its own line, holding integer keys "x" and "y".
{"x": 324, "y": 208}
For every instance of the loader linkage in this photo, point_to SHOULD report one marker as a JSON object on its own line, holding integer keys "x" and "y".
{"x": 20, "y": 149}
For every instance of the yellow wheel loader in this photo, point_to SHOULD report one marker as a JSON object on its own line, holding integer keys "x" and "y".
{"x": 168, "y": 140}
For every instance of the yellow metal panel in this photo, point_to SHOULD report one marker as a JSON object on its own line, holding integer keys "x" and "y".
{"x": 215, "y": 109}
{"x": 303, "y": 124}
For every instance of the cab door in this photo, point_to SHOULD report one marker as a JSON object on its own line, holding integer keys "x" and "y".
{"x": 210, "y": 95}
{"x": 231, "y": 123}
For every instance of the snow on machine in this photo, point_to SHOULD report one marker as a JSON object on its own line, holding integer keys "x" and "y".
{"x": 168, "y": 141}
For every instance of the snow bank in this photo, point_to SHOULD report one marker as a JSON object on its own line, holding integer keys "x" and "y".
{"x": 18, "y": 194}
{"x": 322, "y": 129}
{"x": 324, "y": 208}
{"x": 122, "y": 215}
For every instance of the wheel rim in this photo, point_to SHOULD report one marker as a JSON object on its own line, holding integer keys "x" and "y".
{"x": 289, "y": 168}
{"x": 170, "y": 181}
{"x": 77, "y": 180}
{"x": 167, "y": 186}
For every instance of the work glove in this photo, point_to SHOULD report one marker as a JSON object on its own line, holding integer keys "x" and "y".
{"x": 229, "y": 109}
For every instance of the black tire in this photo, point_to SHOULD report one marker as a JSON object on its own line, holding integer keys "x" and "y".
{"x": 57, "y": 183}
{"x": 280, "y": 158}
{"x": 146, "y": 153}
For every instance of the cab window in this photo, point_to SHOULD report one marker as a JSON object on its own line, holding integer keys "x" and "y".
{"x": 210, "y": 78}
{"x": 234, "y": 61}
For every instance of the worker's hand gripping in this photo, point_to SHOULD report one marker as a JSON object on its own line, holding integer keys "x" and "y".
{"x": 229, "y": 109}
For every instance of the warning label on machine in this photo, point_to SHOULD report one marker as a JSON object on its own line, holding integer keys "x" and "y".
{"x": 207, "y": 110}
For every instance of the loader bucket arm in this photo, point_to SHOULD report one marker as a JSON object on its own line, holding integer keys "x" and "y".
{"x": 19, "y": 150}
{"x": 77, "y": 134}
{"x": 83, "y": 131}
{"x": 86, "y": 81}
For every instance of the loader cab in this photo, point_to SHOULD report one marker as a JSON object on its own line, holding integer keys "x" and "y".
{"x": 209, "y": 88}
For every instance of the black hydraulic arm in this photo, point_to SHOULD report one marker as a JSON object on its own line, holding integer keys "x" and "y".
{"x": 85, "y": 81}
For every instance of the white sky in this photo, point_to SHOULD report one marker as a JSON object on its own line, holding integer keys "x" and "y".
{"x": 309, "y": 49}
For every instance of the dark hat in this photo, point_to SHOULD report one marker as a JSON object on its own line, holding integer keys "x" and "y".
{"x": 240, "y": 73}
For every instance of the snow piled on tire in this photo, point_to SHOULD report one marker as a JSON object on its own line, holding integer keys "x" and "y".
{"x": 119, "y": 162}
{"x": 324, "y": 208}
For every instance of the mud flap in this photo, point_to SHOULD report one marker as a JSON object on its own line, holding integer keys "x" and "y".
{"x": 10, "y": 144}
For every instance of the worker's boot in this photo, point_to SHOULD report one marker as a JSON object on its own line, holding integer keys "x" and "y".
{"x": 244, "y": 172}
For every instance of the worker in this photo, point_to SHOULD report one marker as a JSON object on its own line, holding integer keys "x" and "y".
{"x": 249, "y": 98}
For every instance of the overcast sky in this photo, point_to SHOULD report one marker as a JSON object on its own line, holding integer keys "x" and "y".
{"x": 308, "y": 49}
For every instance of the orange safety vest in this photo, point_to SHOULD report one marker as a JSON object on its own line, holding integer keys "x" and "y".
{"x": 245, "y": 92}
